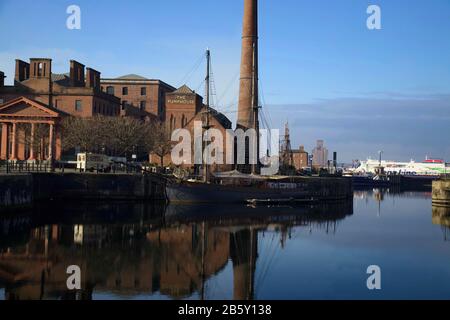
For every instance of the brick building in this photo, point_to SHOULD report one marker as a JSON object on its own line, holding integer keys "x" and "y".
{"x": 183, "y": 108}
{"x": 300, "y": 158}
{"x": 39, "y": 98}
{"x": 139, "y": 96}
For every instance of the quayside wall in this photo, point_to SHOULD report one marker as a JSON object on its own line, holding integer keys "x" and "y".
{"x": 441, "y": 192}
{"x": 21, "y": 190}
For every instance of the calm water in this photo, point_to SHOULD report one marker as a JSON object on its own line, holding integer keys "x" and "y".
{"x": 136, "y": 251}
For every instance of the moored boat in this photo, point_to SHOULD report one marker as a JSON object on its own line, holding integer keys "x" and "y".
{"x": 236, "y": 187}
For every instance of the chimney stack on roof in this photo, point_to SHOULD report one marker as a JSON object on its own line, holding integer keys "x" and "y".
{"x": 40, "y": 68}
{"x": 76, "y": 74}
{"x": 92, "y": 78}
{"x": 22, "y": 71}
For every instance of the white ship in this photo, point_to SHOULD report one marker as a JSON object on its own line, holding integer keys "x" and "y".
{"x": 429, "y": 167}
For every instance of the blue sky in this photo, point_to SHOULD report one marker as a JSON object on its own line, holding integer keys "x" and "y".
{"x": 320, "y": 67}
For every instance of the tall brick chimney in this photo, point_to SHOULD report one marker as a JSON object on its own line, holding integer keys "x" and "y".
{"x": 76, "y": 74}
{"x": 22, "y": 71}
{"x": 248, "y": 86}
{"x": 92, "y": 78}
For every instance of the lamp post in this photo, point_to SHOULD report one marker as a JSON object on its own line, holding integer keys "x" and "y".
{"x": 7, "y": 150}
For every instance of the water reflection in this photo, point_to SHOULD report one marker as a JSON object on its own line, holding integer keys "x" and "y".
{"x": 131, "y": 249}
{"x": 441, "y": 217}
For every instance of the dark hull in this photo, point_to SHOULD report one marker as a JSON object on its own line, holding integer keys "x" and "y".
{"x": 316, "y": 189}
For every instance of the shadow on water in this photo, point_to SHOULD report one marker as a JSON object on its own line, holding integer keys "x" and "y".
{"x": 131, "y": 249}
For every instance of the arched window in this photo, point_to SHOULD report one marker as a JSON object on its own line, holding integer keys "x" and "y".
{"x": 171, "y": 122}
{"x": 40, "y": 68}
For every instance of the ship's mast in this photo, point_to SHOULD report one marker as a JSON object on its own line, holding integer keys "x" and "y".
{"x": 206, "y": 125}
{"x": 255, "y": 107}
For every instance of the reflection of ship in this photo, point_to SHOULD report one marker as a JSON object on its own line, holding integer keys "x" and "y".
{"x": 369, "y": 180}
{"x": 130, "y": 249}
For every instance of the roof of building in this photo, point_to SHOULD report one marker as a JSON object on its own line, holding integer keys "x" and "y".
{"x": 223, "y": 119}
{"x": 62, "y": 79}
{"x": 184, "y": 89}
{"x": 132, "y": 76}
{"x": 299, "y": 151}
{"x": 220, "y": 117}
{"x": 51, "y": 111}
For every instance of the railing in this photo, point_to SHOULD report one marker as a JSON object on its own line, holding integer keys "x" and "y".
{"x": 10, "y": 166}
{"x": 37, "y": 166}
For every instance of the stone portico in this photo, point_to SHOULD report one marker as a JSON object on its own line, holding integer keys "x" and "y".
{"x": 30, "y": 130}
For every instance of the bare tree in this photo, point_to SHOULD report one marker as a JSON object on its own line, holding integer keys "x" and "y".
{"x": 83, "y": 133}
{"x": 124, "y": 134}
{"x": 119, "y": 135}
{"x": 162, "y": 144}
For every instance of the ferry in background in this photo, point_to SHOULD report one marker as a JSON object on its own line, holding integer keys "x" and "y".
{"x": 427, "y": 168}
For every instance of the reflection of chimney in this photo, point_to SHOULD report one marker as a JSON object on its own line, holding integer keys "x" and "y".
{"x": 243, "y": 252}
{"x": 22, "y": 71}
{"x": 248, "y": 86}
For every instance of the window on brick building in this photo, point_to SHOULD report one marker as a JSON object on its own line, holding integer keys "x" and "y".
{"x": 125, "y": 91}
{"x": 143, "y": 91}
{"x": 171, "y": 123}
{"x": 142, "y": 105}
{"x": 110, "y": 90}
{"x": 124, "y": 104}
{"x": 78, "y": 105}
{"x": 40, "y": 67}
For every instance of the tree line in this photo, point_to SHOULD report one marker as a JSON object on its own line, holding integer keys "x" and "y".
{"x": 119, "y": 136}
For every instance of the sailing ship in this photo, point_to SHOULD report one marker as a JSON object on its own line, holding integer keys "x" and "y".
{"x": 237, "y": 186}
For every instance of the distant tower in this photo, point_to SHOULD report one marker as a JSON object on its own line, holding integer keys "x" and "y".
{"x": 248, "y": 83}
{"x": 320, "y": 155}
{"x": 286, "y": 155}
